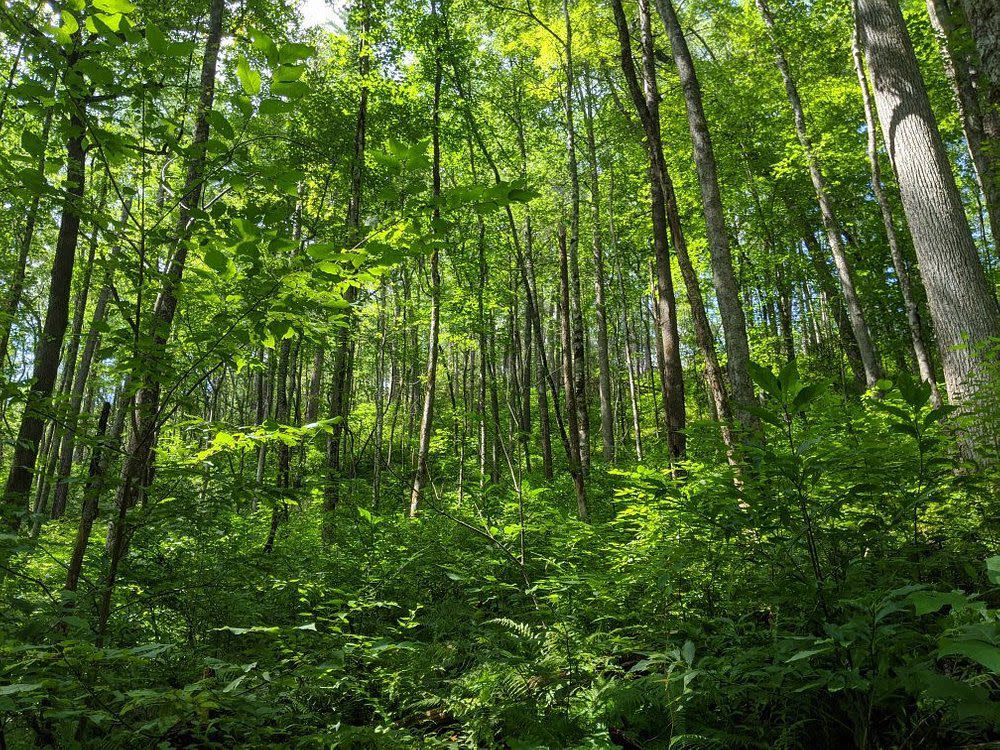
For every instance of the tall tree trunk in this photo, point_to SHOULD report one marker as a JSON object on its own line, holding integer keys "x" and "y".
{"x": 727, "y": 290}
{"x": 963, "y": 306}
{"x": 885, "y": 209}
{"x": 600, "y": 306}
{"x": 16, "y": 289}
{"x": 47, "y": 355}
{"x": 955, "y": 53}
{"x": 702, "y": 328}
{"x": 830, "y": 223}
{"x": 568, "y": 377}
{"x": 138, "y": 464}
{"x": 669, "y": 338}
{"x": 427, "y": 413}
{"x": 344, "y": 356}
{"x": 578, "y": 351}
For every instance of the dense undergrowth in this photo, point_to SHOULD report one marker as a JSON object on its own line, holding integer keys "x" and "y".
{"x": 839, "y": 590}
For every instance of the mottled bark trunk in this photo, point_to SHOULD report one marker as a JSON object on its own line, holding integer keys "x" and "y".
{"x": 420, "y": 476}
{"x": 669, "y": 338}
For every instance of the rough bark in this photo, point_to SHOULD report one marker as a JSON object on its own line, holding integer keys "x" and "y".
{"x": 963, "y": 307}
{"x": 47, "y": 355}
{"x": 885, "y": 210}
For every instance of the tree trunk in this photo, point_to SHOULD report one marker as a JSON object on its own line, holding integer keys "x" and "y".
{"x": 727, "y": 290}
{"x": 885, "y": 209}
{"x": 427, "y": 413}
{"x": 963, "y": 306}
{"x": 600, "y": 309}
{"x": 669, "y": 338}
{"x": 955, "y": 52}
{"x": 568, "y": 378}
{"x": 47, "y": 355}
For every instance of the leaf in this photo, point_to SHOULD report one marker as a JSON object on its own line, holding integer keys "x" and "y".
{"x": 217, "y": 260}
{"x": 800, "y": 655}
{"x": 249, "y": 79}
{"x": 979, "y": 651}
{"x": 270, "y": 107}
{"x": 291, "y": 89}
{"x": 295, "y": 51}
{"x": 157, "y": 40}
{"x": 19, "y": 687}
{"x": 114, "y": 6}
{"x": 928, "y": 602}
{"x": 764, "y": 378}
{"x": 687, "y": 652}
{"x": 32, "y": 143}
{"x": 993, "y": 569}
{"x": 806, "y": 394}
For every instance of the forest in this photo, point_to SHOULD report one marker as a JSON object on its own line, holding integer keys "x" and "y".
{"x": 500, "y": 374}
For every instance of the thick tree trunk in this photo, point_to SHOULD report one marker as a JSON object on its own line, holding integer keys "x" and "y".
{"x": 855, "y": 313}
{"x": 956, "y": 50}
{"x": 885, "y": 209}
{"x": 963, "y": 306}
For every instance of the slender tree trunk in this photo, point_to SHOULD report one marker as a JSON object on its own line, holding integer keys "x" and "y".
{"x": 600, "y": 307}
{"x": 91, "y": 494}
{"x": 340, "y": 385}
{"x": 568, "y": 378}
{"x": 427, "y": 413}
{"x": 47, "y": 355}
{"x": 963, "y": 306}
{"x": 578, "y": 351}
{"x": 138, "y": 466}
{"x": 669, "y": 338}
{"x": 727, "y": 290}
{"x": 16, "y": 289}
{"x": 830, "y": 223}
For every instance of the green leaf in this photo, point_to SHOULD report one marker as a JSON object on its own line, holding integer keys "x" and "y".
{"x": 993, "y": 569}
{"x": 979, "y": 651}
{"x": 764, "y": 378}
{"x": 249, "y": 79}
{"x": 114, "y": 6}
{"x": 928, "y": 602}
{"x": 295, "y": 51}
{"x": 270, "y": 107}
{"x": 19, "y": 687}
{"x": 217, "y": 260}
{"x": 32, "y": 143}
{"x": 157, "y": 40}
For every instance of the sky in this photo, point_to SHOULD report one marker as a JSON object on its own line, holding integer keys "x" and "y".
{"x": 325, "y": 13}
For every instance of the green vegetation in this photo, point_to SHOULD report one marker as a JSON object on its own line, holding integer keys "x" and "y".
{"x": 460, "y": 374}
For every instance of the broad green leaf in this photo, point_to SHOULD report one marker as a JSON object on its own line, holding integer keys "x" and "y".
{"x": 249, "y": 79}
